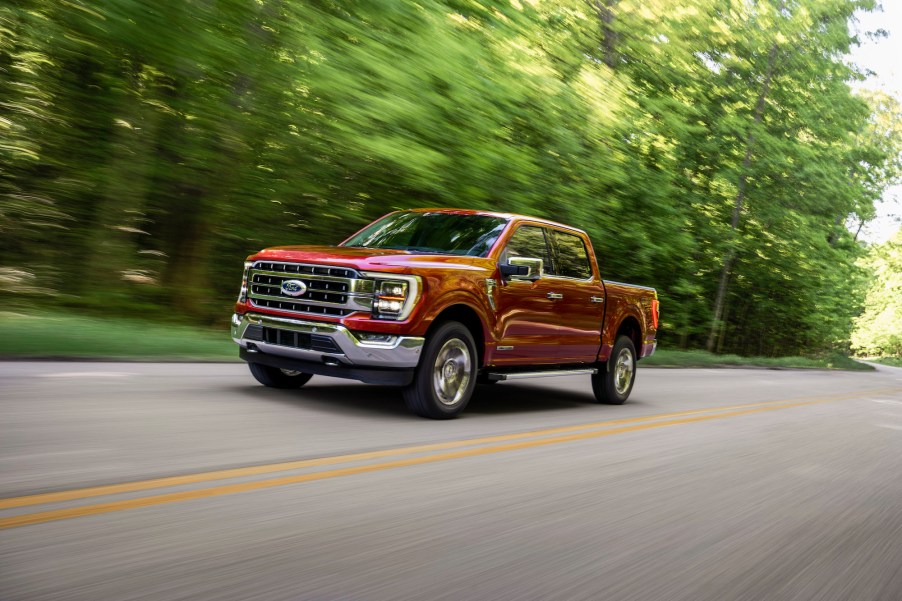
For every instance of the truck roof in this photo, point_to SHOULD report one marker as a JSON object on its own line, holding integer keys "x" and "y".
{"x": 510, "y": 216}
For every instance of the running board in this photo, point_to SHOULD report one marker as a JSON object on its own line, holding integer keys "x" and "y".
{"x": 522, "y": 375}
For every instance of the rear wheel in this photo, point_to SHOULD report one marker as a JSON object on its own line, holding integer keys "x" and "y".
{"x": 444, "y": 381}
{"x": 278, "y": 378}
{"x": 614, "y": 381}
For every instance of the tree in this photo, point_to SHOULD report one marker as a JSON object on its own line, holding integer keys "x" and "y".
{"x": 878, "y": 331}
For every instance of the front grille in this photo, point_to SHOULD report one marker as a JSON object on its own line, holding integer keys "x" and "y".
{"x": 332, "y": 291}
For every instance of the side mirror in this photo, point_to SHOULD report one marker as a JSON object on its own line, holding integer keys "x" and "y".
{"x": 523, "y": 268}
{"x": 509, "y": 271}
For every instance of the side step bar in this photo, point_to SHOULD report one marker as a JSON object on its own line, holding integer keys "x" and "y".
{"x": 523, "y": 375}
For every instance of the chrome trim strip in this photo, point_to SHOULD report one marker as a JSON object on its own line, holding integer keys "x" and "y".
{"x": 401, "y": 351}
{"x": 354, "y": 302}
{"x": 313, "y": 265}
{"x": 490, "y": 285}
{"x": 649, "y": 349}
{"x": 616, "y": 283}
{"x": 323, "y": 290}
{"x": 357, "y": 286}
{"x": 524, "y": 375}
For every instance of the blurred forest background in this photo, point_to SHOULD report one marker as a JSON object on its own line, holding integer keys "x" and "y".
{"x": 713, "y": 149}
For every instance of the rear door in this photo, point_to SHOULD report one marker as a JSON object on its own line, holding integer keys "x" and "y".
{"x": 579, "y": 296}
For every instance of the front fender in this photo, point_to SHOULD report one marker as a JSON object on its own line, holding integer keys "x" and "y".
{"x": 472, "y": 299}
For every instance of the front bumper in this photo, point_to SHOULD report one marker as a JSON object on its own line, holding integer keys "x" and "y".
{"x": 323, "y": 343}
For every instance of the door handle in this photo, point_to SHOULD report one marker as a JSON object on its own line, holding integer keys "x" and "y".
{"x": 596, "y": 299}
{"x": 555, "y": 296}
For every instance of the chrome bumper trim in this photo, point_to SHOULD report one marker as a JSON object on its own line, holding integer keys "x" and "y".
{"x": 648, "y": 349}
{"x": 401, "y": 351}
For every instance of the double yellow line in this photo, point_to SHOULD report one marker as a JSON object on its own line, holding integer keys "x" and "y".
{"x": 421, "y": 454}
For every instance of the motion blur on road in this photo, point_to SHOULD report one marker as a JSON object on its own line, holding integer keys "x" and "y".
{"x": 189, "y": 481}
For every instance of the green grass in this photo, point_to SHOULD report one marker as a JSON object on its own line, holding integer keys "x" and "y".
{"x": 892, "y": 361}
{"x": 69, "y": 335}
{"x": 58, "y": 334}
{"x": 677, "y": 358}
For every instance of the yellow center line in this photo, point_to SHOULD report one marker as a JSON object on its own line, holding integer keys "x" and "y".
{"x": 62, "y": 514}
{"x": 257, "y": 470}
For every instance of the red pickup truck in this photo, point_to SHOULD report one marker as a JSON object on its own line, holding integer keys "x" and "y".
{"x": 438, "y": 300}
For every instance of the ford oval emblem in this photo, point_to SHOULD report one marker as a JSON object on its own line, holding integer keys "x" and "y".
{"x": 294, "y": 287}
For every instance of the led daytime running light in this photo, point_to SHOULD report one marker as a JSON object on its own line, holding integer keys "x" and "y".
{"x": 394, "y": 295}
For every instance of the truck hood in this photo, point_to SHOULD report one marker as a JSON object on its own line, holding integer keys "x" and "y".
{"x": 369, "y": 258}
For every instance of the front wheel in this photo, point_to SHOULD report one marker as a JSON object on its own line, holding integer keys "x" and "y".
{"x": 278, "y": 378}
{"x": 444, "y": 381}
{"x": 614, "y": 381}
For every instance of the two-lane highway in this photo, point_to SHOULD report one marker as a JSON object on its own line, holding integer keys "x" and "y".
{"x": 190, "y": 481}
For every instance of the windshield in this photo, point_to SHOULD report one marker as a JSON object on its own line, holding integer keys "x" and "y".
{"x": 441, "y": 233}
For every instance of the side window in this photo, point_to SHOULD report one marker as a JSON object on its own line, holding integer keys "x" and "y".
{"x": 528, "y": 241}
{"x": 571, "y": 259}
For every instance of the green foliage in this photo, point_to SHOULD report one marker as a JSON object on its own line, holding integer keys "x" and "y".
{"x": 878, "y": 331}
{"x": 147, "y": 147}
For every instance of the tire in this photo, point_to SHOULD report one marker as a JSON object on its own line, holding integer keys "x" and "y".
{"x": 615, "y": 378}
{"x": 444, "y": 381}
{"x": 277, "y": 378}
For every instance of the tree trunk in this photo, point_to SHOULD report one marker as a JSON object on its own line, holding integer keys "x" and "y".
{"x": 730, "y": 255}
{"x": 605, "y": 11}
{"x": 126, "y": 184}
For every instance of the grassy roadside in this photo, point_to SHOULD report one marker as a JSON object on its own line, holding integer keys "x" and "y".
{"x": 891, "y": 361}
{"x": 64, "y": 335}
{"x": 677, "y": 358}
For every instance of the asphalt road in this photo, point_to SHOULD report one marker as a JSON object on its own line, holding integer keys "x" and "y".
{"x": 126, "y": 481}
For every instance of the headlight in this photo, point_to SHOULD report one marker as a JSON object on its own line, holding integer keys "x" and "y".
{"x": 242, "y": 294}
{"x": 394, "y": 296}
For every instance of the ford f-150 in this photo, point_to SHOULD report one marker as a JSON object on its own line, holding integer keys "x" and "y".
{"x": 438, "y": 300}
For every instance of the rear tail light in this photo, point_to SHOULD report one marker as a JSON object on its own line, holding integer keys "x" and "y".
{"x": 655, "y": 308}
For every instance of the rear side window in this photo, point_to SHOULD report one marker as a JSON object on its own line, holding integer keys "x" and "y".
{"x": 571, "y": 258}
{"x": 528, "y": 241}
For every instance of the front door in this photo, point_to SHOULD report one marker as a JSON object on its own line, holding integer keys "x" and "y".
{"x": 527, "y": 326}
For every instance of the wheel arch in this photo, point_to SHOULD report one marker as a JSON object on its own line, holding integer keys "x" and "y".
{"x": 468, "y": 316}
{"x": 631, "y": 326}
